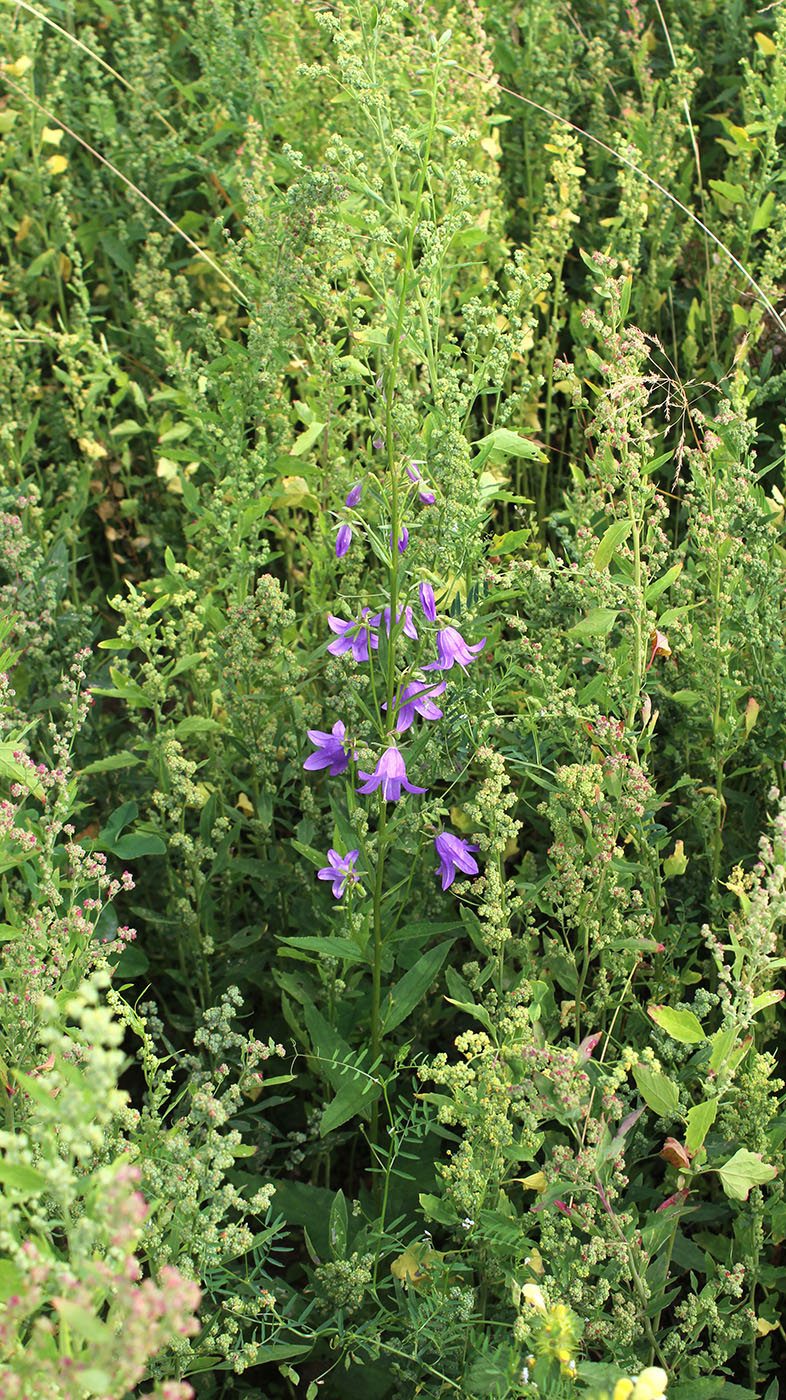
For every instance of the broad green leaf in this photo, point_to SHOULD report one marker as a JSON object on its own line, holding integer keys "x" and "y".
{"x": 16, "y": 772}
{"x": 123, "y": 759}
{"x": 137, "y": 844}
{"x": 407, "y": 992}
{"x": 355, "y": 1098}
{"x": 612, "y": 539}
{"x": 767, "y": 999}
{"x": 744, "y": 1170}
{"x": 657, "y": 1091}
{"x": 700, "y": 1119}
{"x": 680, "y": 1025}
{"x": 722, "y": 1046}
{"x": 330, "y": 946}
{"x": 665, "y": 581}
{"x": 511, "y": 444}
{"x": 19, "y": 1176}
{"x": 507, "y": 543}
{"x": 197, "y": 724}
{"x": 338, "y": 1226}
{"x": 81, "y": 1321}
{"x": 677, "y": 862}
{"x": 763, "y": 216}
{"x": 597, "y": 623}
{"x": 734, "y": 193}
{"x": 305, "y": 440}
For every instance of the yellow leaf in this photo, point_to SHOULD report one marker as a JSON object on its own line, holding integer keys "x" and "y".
{"x": 412, "y": 1266}
{"x": 244, "y": 805}
{"x": 52, "y": 135}
{"x": 57, "y": 164}
{"x": 763, "y": 1326}
{"x": 535, "y": 1182}
{"x": 534, "y": 1295}
{"x": 460, "y": 819}
{"x": 765, "y": 43}
{"x": 18, "y": 69}
{"x": 25, "y": 224}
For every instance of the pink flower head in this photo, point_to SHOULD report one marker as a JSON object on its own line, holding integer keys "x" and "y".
{"x": 391, "y": 774}
{"x": 454, "y": 853}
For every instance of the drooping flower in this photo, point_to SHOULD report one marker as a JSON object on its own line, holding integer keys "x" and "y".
{"x": 454, "y": 853}
{"x": 427, "y": 498}
{"x": 451, "y": 648}
{"x": 391, "y": 774}
{"x": 330, "y": 750}
{"x": 417, "y": 698}
{"x": 355, "y": 494}
{"x": 354, "y": 636}
{"x": 660, "y": 647}
{"x": 403, "y": 539}
{"x": 427, "y": 602}
{"x": 410, "y": 629}
{"x": 378, "y": 443}
{"x": 340, "y": 871}
{"x": 343, "y": 539}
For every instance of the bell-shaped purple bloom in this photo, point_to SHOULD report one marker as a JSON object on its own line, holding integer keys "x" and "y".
{"x": 417, "y": 698}
{"x": 427, "y": 498}
{"x": 330, "y": 750}
{"x": 354, "y": 496}
{"x": 391, "y": 773}
{"x": 410, "y": 630}
{"x": 454, "y": 854}
{"x": 343, "y": 539}
{"x": 427, "y": 602}
{"x": 451, "y": 648}
{"x": 378, "y": 443}
{"x": 354, "y": 636}
{"x": 340, "y": 871}
{"x": 403, "y": 539}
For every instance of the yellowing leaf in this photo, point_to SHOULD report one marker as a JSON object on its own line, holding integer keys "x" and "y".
{"x": 20, "y": 67}
{"x": 534, "y": 1295}
{"x": 765, "y": 44}
{"x": 52, "y": 135}
{"x": 25, "y": 224}
{"x": 57, "y": 164}
{"x": 677, "y": 862}
{"x": 763, "y": 1325}
{"x": 412, "y": 1266}
{"x": 244, "y": 805}
{"x": 535, "y": 1182}
{"x": 751, "y": 714}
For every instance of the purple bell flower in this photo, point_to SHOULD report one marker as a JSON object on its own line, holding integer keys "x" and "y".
{"x": 451, "y": 648}
{"x": 391, "y": 774}
{"x": 343, "y": 540}
{"x": 340, "y": 871}
{"x": 355, "y": 494}
{"x": 354, "y": 636}
{"x": 410, "y": 629}
{"x": 403, "y": 539}
{"x": 330, "y": 750}
{"x": 427, "y": 602}
{"x": 454, "y": 853}
{"x": 427, "y": 498}
{"x": 416, "y": 698}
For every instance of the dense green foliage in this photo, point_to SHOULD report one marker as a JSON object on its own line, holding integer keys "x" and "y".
{"x": 469, "y": 311}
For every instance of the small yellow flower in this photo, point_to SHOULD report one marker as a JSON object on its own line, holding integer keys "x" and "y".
{"x": 52, "y": 135}
{"x": 18, "y": 69}
{"x": 651, "y": 1384}
{"x": 622, "y": 1389}
{"x": 57, "y": 164}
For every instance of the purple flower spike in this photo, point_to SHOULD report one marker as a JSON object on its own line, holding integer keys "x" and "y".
{"x": 343, "y": 540}
{"x": 454, "y": 854}
{"x": 427, "y": 602}
{"x": 403, "y": 539}
{"x": 355, "y": 494}
{"x": 340, "y": 871}
{"x": 391, "y": 773}
{"x": 331, "y": 752}
{"x": 354, "y": 636}
{"x": 410, "y": 630}
{"x": 451, "y": 648}
{"x": 417, "y": 698}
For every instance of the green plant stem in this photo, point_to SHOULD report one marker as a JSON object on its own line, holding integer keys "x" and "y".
{"x": 637, "y": 611}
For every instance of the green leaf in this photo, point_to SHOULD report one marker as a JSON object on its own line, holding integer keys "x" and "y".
{"x": 337, "y": 1228}
{"x": 734, "y": 193}
{"x": 328, "y": 947}
{"x": 137, "y": 844}
{"x": 597, "y": 623}
{"x": 680, "y": 1025}
{"x": 699, "y": 1120}
{"x": 507, "y": 543}
{"x": 411, "y": 988}
{"x": 305, "y": 440}
{"x": 21, "y": 1177}
{"x": 657, "y": 1091}
{"x": 355, "y": 1098}
{"x": 665, "y": 581}
{"x": 197, "y": 724}
{"x": 612, "y": 539}
{"x": 722, "y": 1046}
{"x": 123, "y": 759}
{"x": 767, "y": 999}
{"x": 763, "y": 216}
{"x": 511, "y": 444}
{"x": 81, "y": 1321}
{"x": 744, "y": 1170}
